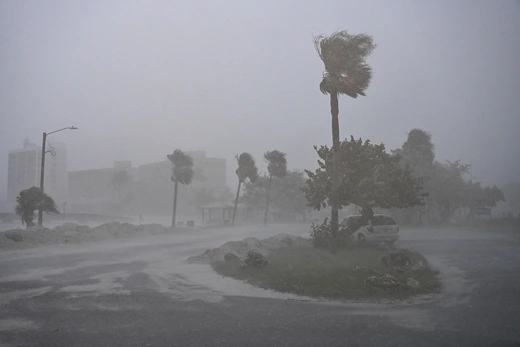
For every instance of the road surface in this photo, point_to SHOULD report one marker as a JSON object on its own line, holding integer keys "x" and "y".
{"x": 139, "y": 292}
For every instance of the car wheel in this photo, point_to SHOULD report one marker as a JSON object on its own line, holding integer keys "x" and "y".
{"x": 361, "y": 238}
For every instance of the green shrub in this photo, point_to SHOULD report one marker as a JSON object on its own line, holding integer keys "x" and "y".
{"x": 321, "y": 235}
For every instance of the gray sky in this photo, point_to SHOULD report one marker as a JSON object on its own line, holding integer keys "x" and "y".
{"x": 142, "y": 78}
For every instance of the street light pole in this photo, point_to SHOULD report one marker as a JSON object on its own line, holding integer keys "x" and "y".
{"x": 42, "y": 173}
{"x": 42, "y": 170}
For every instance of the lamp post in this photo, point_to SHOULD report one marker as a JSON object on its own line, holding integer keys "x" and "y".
{"x": 40, "y": 210}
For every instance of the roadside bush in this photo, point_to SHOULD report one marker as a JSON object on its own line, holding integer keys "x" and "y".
{"x": 321, "y": 235}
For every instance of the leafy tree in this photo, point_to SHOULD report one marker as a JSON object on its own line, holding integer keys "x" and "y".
{"x": 370, "y": 178}
{"x": 246, "y": 170}
{"x": 288, "y": 199}
{"x": 418, "y": 153}
{"x": 347, "y": 73}
{"x": 447, "y": 187}
{"x": 182, "y": 172}
{"x": 277, "y": 167}
{"x": 444, "y": 182}
{"x": 120, "y": 179}
{"x": 31, "y": 200}
{"x": 478, "y": 197}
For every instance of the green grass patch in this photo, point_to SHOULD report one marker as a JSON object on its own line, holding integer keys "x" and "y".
{"x": 318, "y": 273}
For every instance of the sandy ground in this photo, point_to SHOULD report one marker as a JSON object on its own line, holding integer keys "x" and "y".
{"x": 72, "y": 233}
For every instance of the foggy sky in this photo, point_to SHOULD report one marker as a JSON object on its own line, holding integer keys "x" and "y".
{"x": 142, "y": 78}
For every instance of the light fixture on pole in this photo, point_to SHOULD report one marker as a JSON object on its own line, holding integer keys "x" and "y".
{"x": 40, "y": 209}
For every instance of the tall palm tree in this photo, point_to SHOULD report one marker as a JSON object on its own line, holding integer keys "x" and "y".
{"x": 346, "y": 72}
{"x": 276, "y": 166}
{"x": 246, "y": 170}
{"x": 182, "y": 172}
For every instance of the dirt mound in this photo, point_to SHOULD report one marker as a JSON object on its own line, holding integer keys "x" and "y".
{"x": 241, "y": 248}
{"x": 73, "y": 233}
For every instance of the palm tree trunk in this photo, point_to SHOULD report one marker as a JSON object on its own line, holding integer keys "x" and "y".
{"x": 236, "y": 203}
{"x": 174, "y": 203}
{"x": 267, "y": 200}
{"x": 334, "y": 110}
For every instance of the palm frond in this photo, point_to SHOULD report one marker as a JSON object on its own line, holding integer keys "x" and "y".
{"x": 276, "y": 163}
{"x": 246, "y": 167}
{"x": 182, "y": 170}
{"x": 343, "y": 55}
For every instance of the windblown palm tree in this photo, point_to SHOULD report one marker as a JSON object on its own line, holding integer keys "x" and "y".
{"x": 346, "y": 72}
{"x": 182, "y": 172}
{"x": 276, "y": 166}
{"x": 246, "y": 170}
{"x": 31, "y": 200}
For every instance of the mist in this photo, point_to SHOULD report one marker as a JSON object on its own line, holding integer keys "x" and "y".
{"x": 140, "y": 79}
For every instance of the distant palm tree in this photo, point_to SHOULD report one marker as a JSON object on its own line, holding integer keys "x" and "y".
{"x": 346, "y": 72}
{"x": 276, "y": 166}
{"x": 182, "y": 171}
{"x": 246, "y": 170}
{"x": 31, "y": 200}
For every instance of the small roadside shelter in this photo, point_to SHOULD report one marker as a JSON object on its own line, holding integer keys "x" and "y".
{"x": 216, "y": 213}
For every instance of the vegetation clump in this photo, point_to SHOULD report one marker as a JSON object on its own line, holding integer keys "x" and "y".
{"x": 31, "y": 200}
{"x": 314, "y": 272}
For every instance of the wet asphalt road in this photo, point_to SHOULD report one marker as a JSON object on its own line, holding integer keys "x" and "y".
{"x": 138, "y": 292}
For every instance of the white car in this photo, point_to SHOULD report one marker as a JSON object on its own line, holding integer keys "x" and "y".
{"x": 381, "y": 228}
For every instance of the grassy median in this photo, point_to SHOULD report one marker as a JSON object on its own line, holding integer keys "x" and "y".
{"x": 318, "y": 273}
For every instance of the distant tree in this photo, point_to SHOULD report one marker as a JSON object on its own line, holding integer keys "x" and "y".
{"x": 182, "y": 172}
{"x": 246, "y": 170}
{"x": 120, "y": 179}
{"x": 288, "y": 198}
{"x": 478, "y": 198}
{"x": 277, "y": 167}
{"x": 29, "y": 201}
{"x": 447, "y": 187}
{"x": 371, "y": 178}
{"x": 512, "y": 194}
{"x": 417, "y": 153}
{"x": 347, "y": 73}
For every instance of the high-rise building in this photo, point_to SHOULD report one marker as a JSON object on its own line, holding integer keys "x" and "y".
{"x": 24, "y": 168}
{"x": 97, "y": 185}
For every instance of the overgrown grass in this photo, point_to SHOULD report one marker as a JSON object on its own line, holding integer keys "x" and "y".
{"x": 317, "y": 273}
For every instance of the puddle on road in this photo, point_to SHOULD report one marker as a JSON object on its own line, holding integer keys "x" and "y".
{"x": 108, "y": 283}
{"x": 7, "y": 297}
{"x": 10, "y": 324}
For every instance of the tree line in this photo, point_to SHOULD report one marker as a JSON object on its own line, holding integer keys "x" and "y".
{"x": 352, "y": 171}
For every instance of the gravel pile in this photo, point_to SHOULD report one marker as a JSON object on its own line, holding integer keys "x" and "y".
{"x": 73, "y": 233}
{"x": 241, "y": 248}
